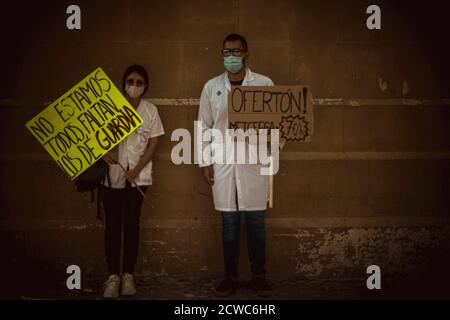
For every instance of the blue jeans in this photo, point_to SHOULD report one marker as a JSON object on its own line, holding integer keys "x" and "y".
{"x": 256, "y": 242}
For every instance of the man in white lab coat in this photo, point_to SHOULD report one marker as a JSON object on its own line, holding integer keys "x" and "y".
{"x": 238, "y": 189}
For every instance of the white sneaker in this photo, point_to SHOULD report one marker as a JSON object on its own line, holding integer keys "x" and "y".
{"x": 128, "y": 288}
{"x": 111, "y": 287}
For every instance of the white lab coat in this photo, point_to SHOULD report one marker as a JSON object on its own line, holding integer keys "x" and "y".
{"x": 132, "y": 148}
{"x": 243, "y": 180}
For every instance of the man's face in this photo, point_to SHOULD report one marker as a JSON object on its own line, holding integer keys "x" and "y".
{"x": 234, "y": 48}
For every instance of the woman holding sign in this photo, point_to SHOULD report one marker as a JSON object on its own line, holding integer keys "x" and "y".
{"x": 130, "y": 171}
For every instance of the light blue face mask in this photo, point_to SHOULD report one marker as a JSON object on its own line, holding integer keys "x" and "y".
{"x": 233, "y": 64}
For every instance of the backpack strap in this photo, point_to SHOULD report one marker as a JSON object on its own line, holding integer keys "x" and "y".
{"x": 108, "y": 177}
{"x": 101, "y": 193}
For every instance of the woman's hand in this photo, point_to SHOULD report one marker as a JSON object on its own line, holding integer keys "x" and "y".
{"x": 132, "y": 174}
{"x": 109, "y": 158}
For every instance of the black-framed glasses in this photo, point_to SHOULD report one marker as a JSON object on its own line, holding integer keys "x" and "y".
{"x": 235, "y": 52}
{"x": 131, "y": 82}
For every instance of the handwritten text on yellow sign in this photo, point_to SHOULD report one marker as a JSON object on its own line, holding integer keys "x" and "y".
{"x": 84, "y": 123}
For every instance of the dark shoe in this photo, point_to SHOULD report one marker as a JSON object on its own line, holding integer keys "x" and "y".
{"x": 261, "y": 287}
{"x": 225, "y": 288}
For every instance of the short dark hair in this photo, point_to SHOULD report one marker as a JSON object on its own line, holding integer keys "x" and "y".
{"x": 140, "y": 71}
{"x": 235, "y": 37}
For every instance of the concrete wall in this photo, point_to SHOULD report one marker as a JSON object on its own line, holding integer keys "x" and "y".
{"x": 371, "y": 188}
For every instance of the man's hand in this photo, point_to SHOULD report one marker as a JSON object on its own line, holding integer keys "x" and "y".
{"x": 109, "y": 158}
{"x": 208, "y": 173}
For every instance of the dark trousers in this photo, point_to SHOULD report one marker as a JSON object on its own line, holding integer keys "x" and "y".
{"x": 122, "y": 213}
{"x": 256, "y": 242}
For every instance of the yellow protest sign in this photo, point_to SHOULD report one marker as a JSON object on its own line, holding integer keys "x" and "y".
{"x": 85, "y": 123}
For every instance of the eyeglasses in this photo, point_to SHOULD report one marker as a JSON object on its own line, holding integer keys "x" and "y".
{"x": 235, "y": 52}
{"x": 131, "y": 82}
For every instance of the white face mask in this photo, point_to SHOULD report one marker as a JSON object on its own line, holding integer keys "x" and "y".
{"x": 134, "y": 91}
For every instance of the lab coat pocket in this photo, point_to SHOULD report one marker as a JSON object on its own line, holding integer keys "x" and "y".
{"x": 222, "y": 171}
{"x": 146, "y": 173}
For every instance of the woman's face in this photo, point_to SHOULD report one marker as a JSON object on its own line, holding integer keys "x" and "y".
{"x": 135, "y": 85}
